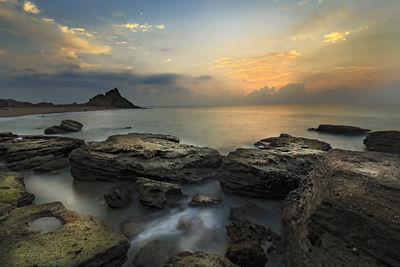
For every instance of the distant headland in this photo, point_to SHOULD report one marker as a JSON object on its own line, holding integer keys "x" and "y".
{"x": 110, "y": 100}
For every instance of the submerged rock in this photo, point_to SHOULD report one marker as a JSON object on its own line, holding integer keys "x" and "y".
{"x": 204, "y": 200}
{"x": 340, "y": 129}
{"x": 157, "y": 194}
{"x": 65, "y": 127}
{"x": 383, "y": 141}
{"x": 348, "y": 214}
{"x": 12, "y": 191}
{"x": 33, "y": 151}
{"x": 156, "y": 253}
{"x": 247, "y": 254}
{"x": 80, "y": 240}
{"x": 119, "y": 197}
{"x": 155, "y": 156}
{"x": 287, "y": 142}
{"x": 198, "y": 259}
{"x": 271, "y": 172}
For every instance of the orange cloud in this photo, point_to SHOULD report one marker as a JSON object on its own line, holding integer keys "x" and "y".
{"x": 335, "y": 37}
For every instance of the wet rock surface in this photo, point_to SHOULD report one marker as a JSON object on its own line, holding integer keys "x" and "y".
{"x": 79, "y": 241}
{"x": 287, "y": 142}
{"x": 157, "y": 194}
{"x": 155, "y": 253}
{"x": 247, "y": 254}
{"x": 270, "y": 172}
{"x": 340, "y": 129}
{"x": 347, "y": 214}
{"x": 198, "y": 259}
{"x": 249, "y": 212}
{"x": 66, "y": 126}
{"x": 154, "y": 156}
{"x": 33, "y": 151}
{"x": 383, "y": 141}
{"x": 119, "y": 197}
{"x": 204, "y": 200}
{"x": 12, "y": 191}
{"x": 240, "y": 231}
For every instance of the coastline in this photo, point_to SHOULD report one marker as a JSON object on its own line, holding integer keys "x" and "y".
{"x": 23, "y": 111}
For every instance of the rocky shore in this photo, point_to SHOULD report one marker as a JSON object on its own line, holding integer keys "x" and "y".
{"x": 340, "y": 208}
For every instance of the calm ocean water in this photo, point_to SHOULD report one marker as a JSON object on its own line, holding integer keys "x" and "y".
{"x": 222, "y": 128}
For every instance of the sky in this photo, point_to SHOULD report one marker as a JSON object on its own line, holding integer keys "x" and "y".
{"x": 201, "y": 52}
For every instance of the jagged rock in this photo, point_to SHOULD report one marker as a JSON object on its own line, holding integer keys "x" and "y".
{"x": 340, "y": 129}
{"x": 119, "y": 197}
{"x": 383, "y": 141}
{"x": 248, "y": 213}
{"x": 286, "y": 142}
{"x": 155, "y": 156}
{"x": 247, "y": 254}
{"x": 271, "y": 172}
{"x": 65, "y": 127}
{"x": 79, "y": 240}
{"x": 204, "y": 200}
{"x": 32, "y": 151}
{"x": 156, "y": 253}
{"x": 111, "y": 99}
{"x": 157, "y": 194}
{"x": 12, "y": 190}
{"x": 347, "y": 214}
{"x": 198, "y": 259}
{"x": 240, "y": 231}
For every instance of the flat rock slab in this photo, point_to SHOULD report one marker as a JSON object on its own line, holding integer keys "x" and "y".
{"x": 154, "y": 156}
{"x": 383, "y": 141}
{"x": 266, "y": 173}
{"x": 12, "y": 189}
{"x": 78, "y": 241}
{"x": 198, "y": 259}
{"x": 287, "y": 142}
{"x": 340, "y": 129}
{"x": 33, "y": 151}
{"x": 348, "y": 214}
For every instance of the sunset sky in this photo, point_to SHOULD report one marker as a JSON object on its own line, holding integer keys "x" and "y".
{"x": 201, "y": 52}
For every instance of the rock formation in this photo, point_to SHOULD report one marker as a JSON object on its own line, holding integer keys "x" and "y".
{"x": 347, "y": 214}
{"x": 340, "y": 129}
{"x": 157, "y": 194}
{"x": 271, "y": 172}
{"x": 204, "y": 200}
{"x": 156, "y": 253}
{"x": 35, "y": 151}
{"x": 248, "y": 213}
{"x": 111, "y": 99}
{"x": 198, "y": 259}
{"x": 154, "y": 156}
{"x": 119, "y": 197}
{"x": 287, "y": 142}
{"x": 383, "y": 141}
{"x": 12, "y": 190}
{"x": 66, "y": 126}
{"x": 79, "y": 240}
{"x": 247, "y": 254}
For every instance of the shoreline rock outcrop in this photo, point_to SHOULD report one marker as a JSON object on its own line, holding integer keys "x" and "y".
{"x": 78, "y": 240}
{"x": 340, "y": 129}
{"x": 347, "y": 214}
{"x": 383, "y": 141}
{"x": 39, "y": 152}
{"x": 12, "y": 190}
{"x": 271, "y": 172}
{"x": 154, "y": 156}
{"x": 112, "y": 99}
{"x": 66, "y": 126}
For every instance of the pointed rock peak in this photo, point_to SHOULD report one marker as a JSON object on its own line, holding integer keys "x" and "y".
{"x": 113, "y": 92}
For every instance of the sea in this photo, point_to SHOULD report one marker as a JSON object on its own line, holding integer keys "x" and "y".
{"x": 223, "y": 128}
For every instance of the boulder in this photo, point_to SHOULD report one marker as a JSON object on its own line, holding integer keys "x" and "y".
{"x": 198, "y": 259}
{"x": 189, "y": 225}
{"x": 247, "y": 254}
{"x": 267, "y": 173}
{"x": 119, "y": 197}
{"x": 12, "y": 191}
{"x": 154, "y": 156}
{"x": 240, "y": 231}
{"x": 32, "y": 151}
{"x": 287, "y": 142}
{"x": 347, "y": 214}
{"x": 74, "y": 240}
{"x": 248, "y": 213}
{"x": 157, "y": 194}
{"x": 111, "y": 99}
{"x": 156, "y": 253}
{"x": 204, "y": 200}
{"x": 383, "y": 141}
{"x": 340, "y": 129}
{"x": 66, "y": 126}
